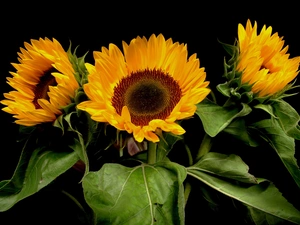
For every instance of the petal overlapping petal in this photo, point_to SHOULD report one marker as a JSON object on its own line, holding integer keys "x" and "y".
{"x": 264, "y": 61}
{"x": 158, "y": 57}
{"x": 35, "y": 60}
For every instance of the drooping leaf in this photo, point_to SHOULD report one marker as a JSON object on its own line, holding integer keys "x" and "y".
{"x": 215, "y": 118}
{"x": 263, "y": 196}
{"x": 238, "y": 129}
{"x": 34, "y": 171}
{"x": 288, "y": 118}
{"x": 145, "y": 194}
{"x": 267, "y": 108}
{"x": 261, "y": 218}
{"x": 229, "y": 166}
{"x": 283, "y": 144}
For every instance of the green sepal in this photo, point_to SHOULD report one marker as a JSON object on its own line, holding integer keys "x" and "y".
{"x": 78, "y": 66}
{"x": 232, "y": 50}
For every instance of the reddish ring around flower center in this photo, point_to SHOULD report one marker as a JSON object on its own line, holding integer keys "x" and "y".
{"x": 148, "y": 94}
{"x": 41, "y": 89}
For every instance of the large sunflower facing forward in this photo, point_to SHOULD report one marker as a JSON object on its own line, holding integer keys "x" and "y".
{"x": 264, "y": 61}
{"x": 44, "y": 82}
{"x": 146, "y": 89}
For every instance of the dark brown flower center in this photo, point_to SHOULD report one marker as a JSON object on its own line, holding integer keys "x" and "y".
{"x": 148, "y": 94}
{"x": 42, "y": 88}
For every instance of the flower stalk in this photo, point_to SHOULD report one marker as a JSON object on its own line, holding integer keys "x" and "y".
{"x": 152, "y": 152}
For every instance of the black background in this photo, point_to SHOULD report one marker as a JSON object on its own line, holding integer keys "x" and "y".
{"x": 93, "y": 25}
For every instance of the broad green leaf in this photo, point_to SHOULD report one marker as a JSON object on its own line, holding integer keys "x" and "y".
{"x": 238, "y": 129}
{"x": 34, "y": 172}
{"x": 215, "y": 118}
{"x": 229, "y": 166}
{"x": 288, "y": 118}
{"x": 146, "y": 194}
{"x": 283, "y": 144}
{"x": 261, "y": 218}
{"x": 263, "y": 196}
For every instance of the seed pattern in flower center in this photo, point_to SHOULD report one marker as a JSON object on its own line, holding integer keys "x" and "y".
{"x": 42, "y": 88}
{"x": 148, "y": 94}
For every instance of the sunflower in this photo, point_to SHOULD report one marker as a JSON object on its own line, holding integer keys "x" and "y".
{"x": 43, "y": 83}
{"x": 263, "y": 60}
{"x": 145, "y": 89}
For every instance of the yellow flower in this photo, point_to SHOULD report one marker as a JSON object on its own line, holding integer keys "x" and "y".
{"x": 263, "y": 61}
{"x": 146, "y": 89}
{"x": 44, "y": 82}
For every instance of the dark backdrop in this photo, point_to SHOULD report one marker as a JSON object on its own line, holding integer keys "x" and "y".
{"x": 92, "y": 25}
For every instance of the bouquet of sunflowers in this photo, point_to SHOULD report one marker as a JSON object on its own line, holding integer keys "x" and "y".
{"x": 148, "y": 135}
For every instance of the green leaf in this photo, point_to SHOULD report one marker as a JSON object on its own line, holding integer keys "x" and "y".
{"x": 145, "y": 194}
{"x": 34, "y": 172}
{"x": 283, "y": 144}
{"x": 78, "y": 145}
{"x": 238, "y": 129}
{"x": 288, "y": 118}
{"x": 261, "y": 218}
{"x": 233, "y": 167}
{"x": 215, "y": 118}
{"x": 165, "y": 145}
{"x": 266, "y": 108}
{"x": 263, "y": 196}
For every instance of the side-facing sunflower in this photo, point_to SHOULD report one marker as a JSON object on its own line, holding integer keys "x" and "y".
{"x": 264, "y": 61}
{"x": 44, "y": 83}
{"x": 145, "y": 89}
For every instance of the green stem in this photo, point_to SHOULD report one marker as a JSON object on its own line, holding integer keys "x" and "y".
{"x": 187, "y": 191}
{"x": 187, "y": 185}
{"x": 152, "y": 152}
{"x": 204, "y": 147}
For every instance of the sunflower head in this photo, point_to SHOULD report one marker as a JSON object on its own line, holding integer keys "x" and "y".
{"x": 264, "y": 61}
{"x": 43, "y": 83}
{"x": 260, "y": 63}
{"x": 146, "y": 88}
